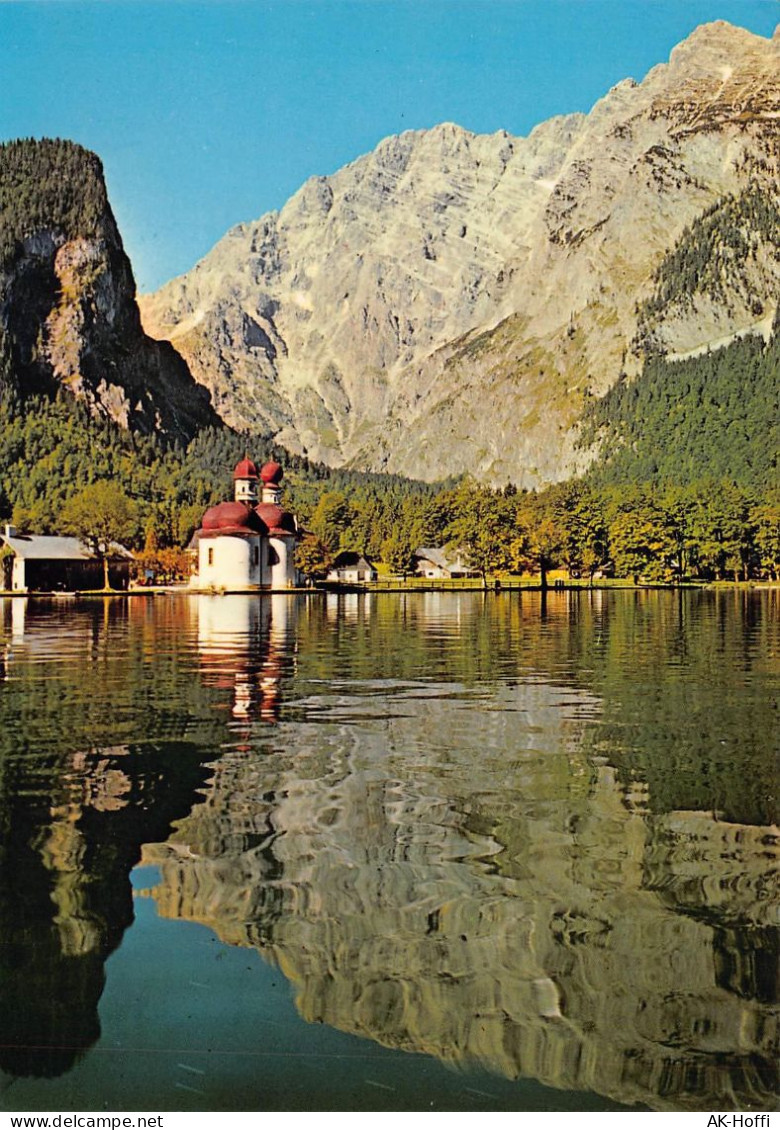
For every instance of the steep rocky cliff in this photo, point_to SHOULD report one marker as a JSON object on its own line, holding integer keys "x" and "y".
{"x": 449, "y": 301}
{"x": 68, "y": 316}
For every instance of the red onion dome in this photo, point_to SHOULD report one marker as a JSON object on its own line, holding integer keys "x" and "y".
{"x": 277, "y": 520}
{"x": 271, "y": 473}
{"x": 232, "y": 517}
{"x": 245, "y": 470}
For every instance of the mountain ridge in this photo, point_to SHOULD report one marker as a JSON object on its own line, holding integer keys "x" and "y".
{"x": 449, "y": 301}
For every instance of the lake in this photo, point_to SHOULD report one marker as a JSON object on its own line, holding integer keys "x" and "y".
{"x": 431, "y": 851}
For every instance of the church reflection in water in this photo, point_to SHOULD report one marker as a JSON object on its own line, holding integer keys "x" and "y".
{"x": 243, "y": 645}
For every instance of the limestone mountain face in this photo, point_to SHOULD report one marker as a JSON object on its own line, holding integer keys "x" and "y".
{"x": 68, "y": 315}
{"x": 447, "y": 302}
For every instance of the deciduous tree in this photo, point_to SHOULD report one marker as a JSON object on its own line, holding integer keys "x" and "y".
{"x": 481, "y": 528}
{"x": 313, "y": 557}
{"x": 99, "y": 515}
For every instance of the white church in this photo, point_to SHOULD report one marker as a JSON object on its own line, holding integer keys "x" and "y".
{"x": 248, "y": 543}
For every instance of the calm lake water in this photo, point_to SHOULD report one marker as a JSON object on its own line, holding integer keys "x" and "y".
{"x": 434, "y": 851}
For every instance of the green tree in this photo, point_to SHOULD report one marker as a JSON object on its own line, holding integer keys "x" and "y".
{"x": 481, "y": 528}
{"x": 766, "y": 521}
{"x": 30, "y": 519}
{"x": 722, "y": 532}
{"x": 313, "y": 557}
{"x": 331, "y": 519}
{"x": 643, "y": 542}
{"x": 187, "y": 521}
{"x": 539, "y": 536}
{"x": 6, "y": 566}
{"x": 99, "y": 515}
{"x": 151, "y": 537}
{"x": 398, "y": 552}
{"x": 370, "y": 525}
{"x": 580, "y": 535}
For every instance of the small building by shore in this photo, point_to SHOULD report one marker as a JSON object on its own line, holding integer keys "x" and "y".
{"x": 352, "y": 568}
{"x": 438, "y": 564}
{"x": 44, "y": 563}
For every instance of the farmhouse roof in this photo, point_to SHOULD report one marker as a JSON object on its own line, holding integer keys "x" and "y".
{"x": 43, "y": 548}
{"x": 349, "y": 559}
{"x": 436, "y": 555}
{"x": 442, "y": 558}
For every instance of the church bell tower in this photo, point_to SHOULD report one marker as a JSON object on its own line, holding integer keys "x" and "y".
{"x": 246, "y": 482}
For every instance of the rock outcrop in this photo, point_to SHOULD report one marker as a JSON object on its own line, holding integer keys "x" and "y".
{"x": 68, "y": 315}
{"x": 450, "y": 300}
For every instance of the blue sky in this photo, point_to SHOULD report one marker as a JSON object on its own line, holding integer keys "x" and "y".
{"x": 208, "y": 114}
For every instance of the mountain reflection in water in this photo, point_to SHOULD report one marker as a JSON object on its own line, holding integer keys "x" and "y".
{"x": 74, "y": 817}
{"x": 531, "y": 835}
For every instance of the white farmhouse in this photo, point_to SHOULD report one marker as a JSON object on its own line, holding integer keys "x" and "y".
{"x": 437, "y": 563}
{"x": 352, "y": 568}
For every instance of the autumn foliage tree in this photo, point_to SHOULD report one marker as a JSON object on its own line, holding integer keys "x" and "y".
{"x": 312, "y": 557}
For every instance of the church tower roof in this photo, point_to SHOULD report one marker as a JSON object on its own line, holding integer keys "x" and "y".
{"x": 271, "y": 473}
{"x": 245, "y": 469}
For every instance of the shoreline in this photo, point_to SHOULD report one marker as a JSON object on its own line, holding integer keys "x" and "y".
{"x": 337, "y": 589}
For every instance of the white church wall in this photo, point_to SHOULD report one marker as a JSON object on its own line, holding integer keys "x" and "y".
{"x": 283, "y": 568}
{"x": 229, "y": 562}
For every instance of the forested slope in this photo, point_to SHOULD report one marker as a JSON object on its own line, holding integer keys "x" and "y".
{"x": 715, "y": 416}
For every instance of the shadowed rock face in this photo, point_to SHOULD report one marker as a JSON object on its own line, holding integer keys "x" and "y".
{"x": 448, "y": 301}
{"x": 473, "y": 886}
{"x": 75, "y": 806}
{"x": 68, "y": 314}
{"x": 66, "y": 852}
